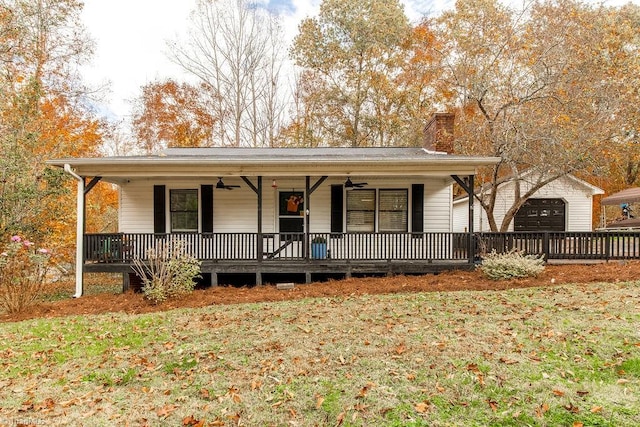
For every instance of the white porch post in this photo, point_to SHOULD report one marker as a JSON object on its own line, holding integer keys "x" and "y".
{"x": 79, "y": 231}
{"x": 80, "y": 241}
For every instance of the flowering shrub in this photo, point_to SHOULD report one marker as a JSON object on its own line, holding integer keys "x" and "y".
{"x": 168, "y": 272}
{"x": 511, "y": 264}
{"x": 23, "y": 269}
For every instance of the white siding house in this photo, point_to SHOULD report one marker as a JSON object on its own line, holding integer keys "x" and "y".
{"x": 565, "y": 204}
{"x": 235, "y": 211}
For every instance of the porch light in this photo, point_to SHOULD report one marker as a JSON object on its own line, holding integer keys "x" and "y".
{"x": 274, "y": 184}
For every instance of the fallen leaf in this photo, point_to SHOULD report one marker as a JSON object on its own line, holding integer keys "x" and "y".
{"x": 191, "y": 421}
{"x": 493, "y": 404}
{"x": 422, "y": 407}
{"x": 571, "y": 408}
{"x": 558, "y": 393}
{"x": 541, "y": 410}
{"x": 319, "y": 401}
{"x": 578, "y": 424}
{"x": 596, "y": 409}
{"x": 166, "y": 410}
{"x": 582, "y": 393}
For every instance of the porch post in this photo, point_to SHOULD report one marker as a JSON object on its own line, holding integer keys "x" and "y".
{"x": 260, "y": 242}
{"x": 307, "y": 192}
{"x": 80, "y": 214}
{"x": 472, "y": 245}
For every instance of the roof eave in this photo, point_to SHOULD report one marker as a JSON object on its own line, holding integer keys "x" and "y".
{"x": 132, "y": 167}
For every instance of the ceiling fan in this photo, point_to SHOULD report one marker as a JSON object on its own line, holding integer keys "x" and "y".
{"x": 349, "y": 184}
{"x": 222, "y": 185}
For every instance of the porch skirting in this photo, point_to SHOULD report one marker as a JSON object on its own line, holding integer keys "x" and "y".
{"x": 303, "y": 271}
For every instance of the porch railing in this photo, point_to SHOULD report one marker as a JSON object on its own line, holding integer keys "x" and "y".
{"x": 429, "y": 247}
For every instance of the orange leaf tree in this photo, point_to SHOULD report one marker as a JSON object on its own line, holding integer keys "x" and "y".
{"x": 171, "y": 114}
{"x": 42, "y": 116}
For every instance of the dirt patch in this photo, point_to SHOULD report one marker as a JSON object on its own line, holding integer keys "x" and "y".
{"x": 449, "y": 281}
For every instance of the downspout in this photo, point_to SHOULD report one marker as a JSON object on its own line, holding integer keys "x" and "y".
{"x": 79, "y": 230}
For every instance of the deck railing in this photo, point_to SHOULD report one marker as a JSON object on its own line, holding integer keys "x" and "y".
{"x": 124, "y": 247}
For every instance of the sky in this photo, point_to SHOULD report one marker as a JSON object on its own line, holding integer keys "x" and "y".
{"x": 131, "y": 37}
{"x": 131, "y": 40}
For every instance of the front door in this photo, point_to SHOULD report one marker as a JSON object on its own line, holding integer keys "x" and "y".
{"x": 291, "y": 214}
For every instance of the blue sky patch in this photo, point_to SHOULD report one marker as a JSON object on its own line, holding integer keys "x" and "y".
{"x": 281, "y": 6}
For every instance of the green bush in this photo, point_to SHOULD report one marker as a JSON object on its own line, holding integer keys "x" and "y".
{"x": 512, "y": 264}
{"x": 168, "y": 272}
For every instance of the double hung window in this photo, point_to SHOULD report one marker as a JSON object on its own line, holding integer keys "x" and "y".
{"x": 184, "y": 210}
{"x": 389, "y": 207}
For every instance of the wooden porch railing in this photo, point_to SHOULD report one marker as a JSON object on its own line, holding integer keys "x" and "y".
{"x": 429, "y": 247}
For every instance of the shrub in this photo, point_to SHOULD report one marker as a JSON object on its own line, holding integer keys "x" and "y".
{"x": 168, "y": 272}
{"x": 23, "y": 270}
{"x": 511, "y": 264}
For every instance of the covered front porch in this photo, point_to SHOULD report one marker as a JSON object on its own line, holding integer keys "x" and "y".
{"x": 315, "y": 256}
{"x": 312, "y": 255}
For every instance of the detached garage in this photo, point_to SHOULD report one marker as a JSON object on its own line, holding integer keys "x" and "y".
{"x": 565, "y": 204}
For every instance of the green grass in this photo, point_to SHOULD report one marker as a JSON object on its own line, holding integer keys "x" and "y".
{"x": 540, "y": 357}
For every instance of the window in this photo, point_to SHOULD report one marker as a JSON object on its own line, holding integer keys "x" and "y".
{"x": 393, "y": 211}
{"x": 361, "y": 210}
{"x": 184, "y": 210}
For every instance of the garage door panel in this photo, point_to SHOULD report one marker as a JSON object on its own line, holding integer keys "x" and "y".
{"x": 541, "y": 215}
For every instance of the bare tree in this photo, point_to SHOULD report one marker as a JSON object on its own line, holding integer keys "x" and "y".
{"x": 234, "y": 48}
{"x": 531, "y": 88}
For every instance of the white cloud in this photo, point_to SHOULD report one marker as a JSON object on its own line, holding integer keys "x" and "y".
{"x": 130, "y": 38}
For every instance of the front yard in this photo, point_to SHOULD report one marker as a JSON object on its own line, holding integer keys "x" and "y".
{"x": 563, "y": 355}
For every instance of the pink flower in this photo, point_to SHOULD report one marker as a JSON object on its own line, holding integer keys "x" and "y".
{"x": 43, "y": 251}
{"x": 28, "y": 244}
{"x": 4, "y": 254}
{"x": 16, "y": 239}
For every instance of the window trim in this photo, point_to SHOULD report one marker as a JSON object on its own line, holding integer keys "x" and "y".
{"x": 405, "y": 210}
{"x": 195, "y": 191}
{"x": 375, "y": 208}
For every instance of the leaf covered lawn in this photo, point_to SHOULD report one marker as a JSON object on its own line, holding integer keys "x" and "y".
{"x": 565, "y": 355}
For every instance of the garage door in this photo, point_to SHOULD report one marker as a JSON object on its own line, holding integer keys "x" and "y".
{"x": 541, "y": 215}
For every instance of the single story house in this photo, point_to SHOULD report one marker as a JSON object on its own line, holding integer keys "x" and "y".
{"x": 565, "y": 204}
{"x": 269, "y": 211}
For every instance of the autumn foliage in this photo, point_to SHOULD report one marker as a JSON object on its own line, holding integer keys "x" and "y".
{"x": 171, "y": 114}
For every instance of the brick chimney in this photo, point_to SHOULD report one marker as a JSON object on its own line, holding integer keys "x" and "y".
{"x": 438, "y": 133}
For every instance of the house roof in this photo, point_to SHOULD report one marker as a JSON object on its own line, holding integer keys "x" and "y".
{"x": 591, "y": 189}
{"x": 224, "y": 161}
{"x": 630, "y": 195}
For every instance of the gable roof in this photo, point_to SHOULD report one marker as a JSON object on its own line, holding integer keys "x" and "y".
{"x": 589, "y": 188}
{"x": 225, "y": 161}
